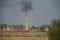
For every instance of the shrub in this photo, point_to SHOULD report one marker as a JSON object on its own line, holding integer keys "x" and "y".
{"x": 54, "y": 32}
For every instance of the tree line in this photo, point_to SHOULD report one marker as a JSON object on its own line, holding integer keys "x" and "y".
{"x": 44, "y": 27}
{"x": 22, "y": 27}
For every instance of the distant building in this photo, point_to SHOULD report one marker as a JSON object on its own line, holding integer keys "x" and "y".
{"x": 7, "y": 28}
{"x": 46, "y": 27}
{"x": 30, "y": 26}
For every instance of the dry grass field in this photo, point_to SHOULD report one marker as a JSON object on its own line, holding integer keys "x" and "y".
{"x": 24, "y": 36}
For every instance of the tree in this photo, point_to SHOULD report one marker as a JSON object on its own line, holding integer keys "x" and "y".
{"x": 12, "y": 27}
{"x": 33, "y": 27}
{"x": 3, "y": 26}
{"x": 54, "y": 32}
{"x": 16, "y": 27}
{"x": 42, "y": 28}
{"x": 21, "y": 26}
{"x": 26, "y": 7}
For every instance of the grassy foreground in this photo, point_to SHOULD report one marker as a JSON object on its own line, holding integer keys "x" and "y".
{"x": 23, "y": 34}
{"x": 23, "y": 38}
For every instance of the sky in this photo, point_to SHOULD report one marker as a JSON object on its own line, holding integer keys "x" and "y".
{"x": 44, "y": 11}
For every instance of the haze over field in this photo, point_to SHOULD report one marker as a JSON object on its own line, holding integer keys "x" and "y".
{"x": 43, "y": 12}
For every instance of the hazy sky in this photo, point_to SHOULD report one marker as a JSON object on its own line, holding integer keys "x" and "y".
{"x": 43, "y": 12}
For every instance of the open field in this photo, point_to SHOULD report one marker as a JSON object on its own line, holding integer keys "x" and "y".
{"x": 23, "y": 35}
{"x": 24, "y": 38}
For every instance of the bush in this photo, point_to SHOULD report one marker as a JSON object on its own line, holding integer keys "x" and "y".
{"x": 54, "y": 32}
